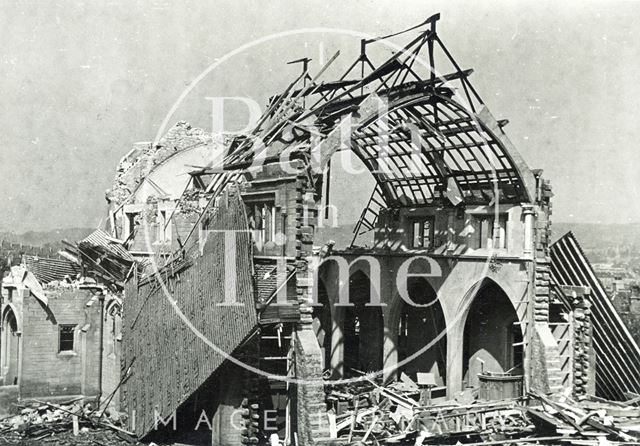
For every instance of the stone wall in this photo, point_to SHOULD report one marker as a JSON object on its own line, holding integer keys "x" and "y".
{"x": 312, "y": 424}
{"x": 47, "y": 372}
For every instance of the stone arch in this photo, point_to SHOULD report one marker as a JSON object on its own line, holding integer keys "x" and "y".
{"x": 418, "y": 326}
{"x": 492, "y": 333}
{"x": 9, "y": 307}
{"x": 337, "y": 270}
{"x": 465, "y": 303}
{"x": 9, "y": 347}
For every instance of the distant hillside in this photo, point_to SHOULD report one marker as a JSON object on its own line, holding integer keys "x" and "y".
{"x": 595, "y": 235}
{"x": 46, "y": 238}
{"x": 606, "y": 243}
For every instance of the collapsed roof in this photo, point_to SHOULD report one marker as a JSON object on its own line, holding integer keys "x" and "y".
{"x": 425, "y": 138}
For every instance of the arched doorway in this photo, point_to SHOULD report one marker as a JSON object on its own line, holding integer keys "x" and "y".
{"x": 10, "y": 348}
{"x": 418, "y": 326}
{"x": 322, "y": 324}
{"x": 362, "y": 329}
{"x": 492, "y": 335}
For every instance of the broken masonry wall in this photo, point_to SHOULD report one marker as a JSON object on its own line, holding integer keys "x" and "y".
{"x": 544, "y": 357}
{"x": 144, "y": 157}
{"x": 149, "y": 183}
{"x": 311, "y": 422}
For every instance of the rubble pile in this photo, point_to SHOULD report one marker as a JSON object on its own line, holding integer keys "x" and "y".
{"x": 366, "y": 413}
{"x": 65, "y": 424}
{"x": 590, "y": 420}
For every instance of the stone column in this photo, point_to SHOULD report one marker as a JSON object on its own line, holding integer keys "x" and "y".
{"x": 455, "y": 345}
{"x": 527, "y": 249}
{"x": 390, "y": 346}
{"x": 337, "y": 343}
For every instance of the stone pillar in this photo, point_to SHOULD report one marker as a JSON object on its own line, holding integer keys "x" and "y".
{"x": 542, "y": 358}
{"x": 390, "y": 346}
{"x": 527, "y": 249}
{"x": 455, "y": 345}
{"x": 337, "y": 343}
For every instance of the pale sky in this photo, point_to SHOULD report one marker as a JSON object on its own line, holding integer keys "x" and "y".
{"x": 81, "y": 81}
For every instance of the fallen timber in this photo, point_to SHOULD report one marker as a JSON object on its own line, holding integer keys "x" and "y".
{"x": 367, "y": 413}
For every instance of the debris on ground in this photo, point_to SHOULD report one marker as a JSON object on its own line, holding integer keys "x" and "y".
{"x": 366, "y": 413}
{"x": 41, "y": 423}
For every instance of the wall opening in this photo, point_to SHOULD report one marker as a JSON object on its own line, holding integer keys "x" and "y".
{"x": 66, "y": 338}
{"x": 418, "y": 326}
{"x": 262, "y": 217}
{"x": 363, "y": 329}
{"x": 492, "y": 335}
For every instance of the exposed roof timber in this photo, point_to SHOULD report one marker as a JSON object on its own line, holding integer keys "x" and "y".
{"x": 475, "y": 172}
{"x": 399, "y": 90}
{"x": 393, "y": 65}
{"x": 487, "y": 119}
{"x": 471, "y": 156}
{"x": 470, "y": 144}
{"x": 377, "y": 73}
{"x": 452, "y": 190}
{"x": 341, "y": 84}
{"x": 327, "y": 86}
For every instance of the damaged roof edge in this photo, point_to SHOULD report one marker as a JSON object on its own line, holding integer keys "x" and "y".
{"x": 491, "y": 125}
